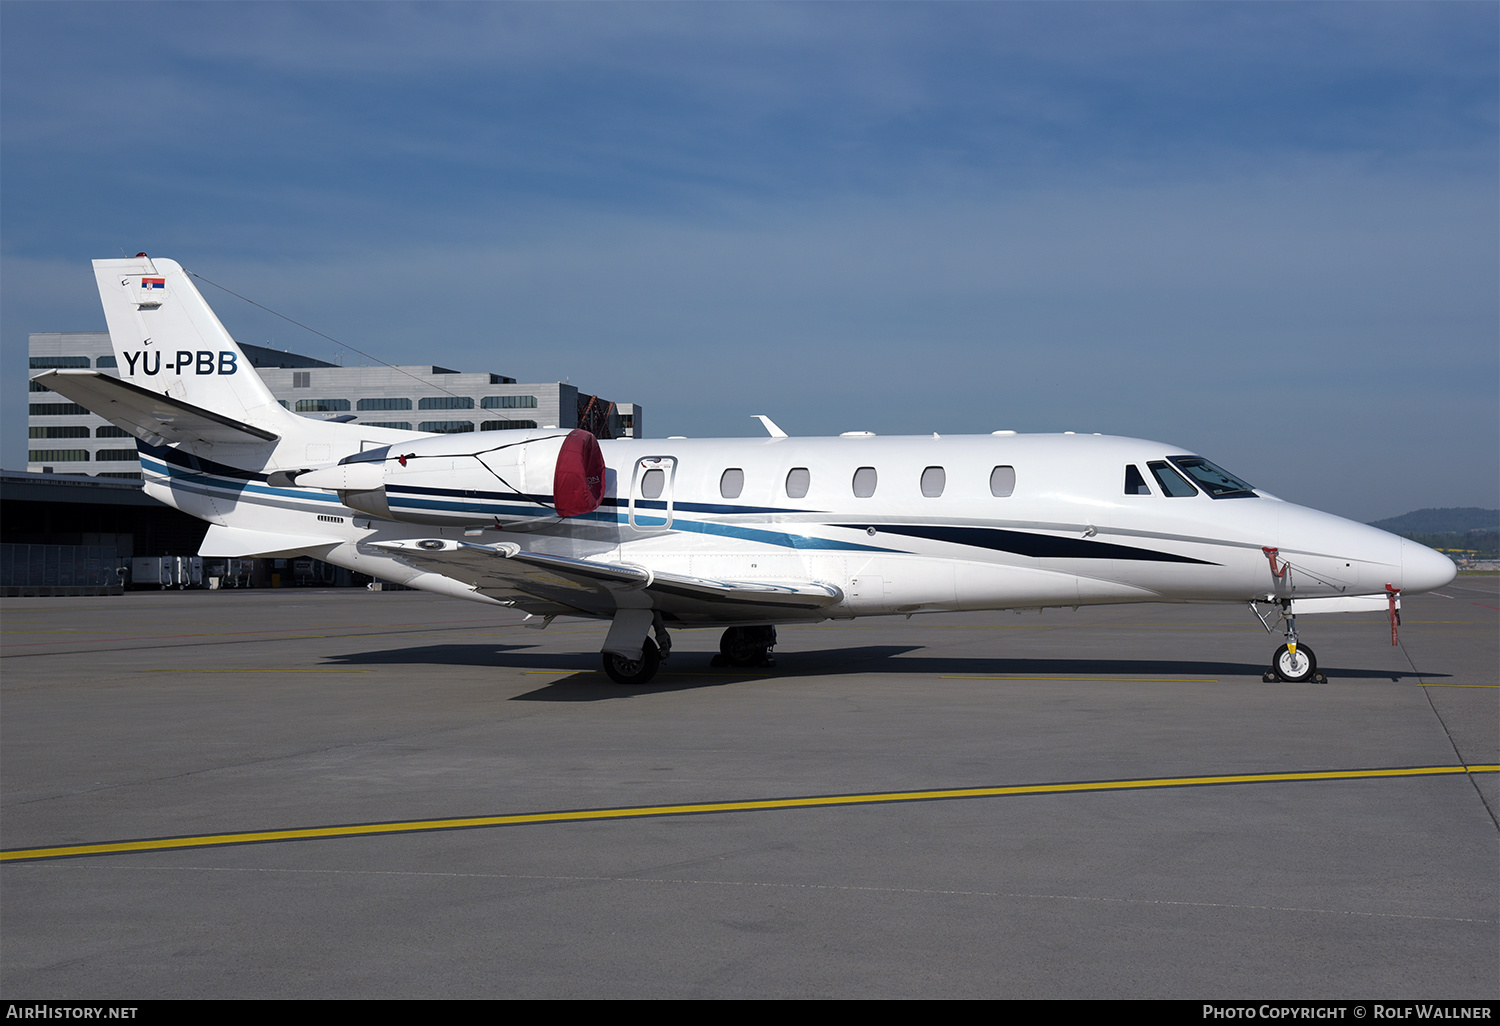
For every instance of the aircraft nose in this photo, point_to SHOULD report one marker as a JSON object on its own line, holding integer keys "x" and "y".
{"x": 1422, "y": 569}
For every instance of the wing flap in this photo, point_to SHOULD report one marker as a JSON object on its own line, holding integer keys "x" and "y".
{"x": 150, "y": 416}
{"x": 596, "y": 588}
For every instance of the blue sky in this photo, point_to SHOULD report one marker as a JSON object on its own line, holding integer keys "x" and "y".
{"x": 1263, "y": 232}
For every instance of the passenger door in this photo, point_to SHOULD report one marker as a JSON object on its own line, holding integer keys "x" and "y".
{"x": 651, "y": 485}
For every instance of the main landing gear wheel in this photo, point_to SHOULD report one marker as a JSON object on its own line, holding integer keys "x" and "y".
{"x": 1295, "y": 668}
{"x": 622, "y": 670}
{"x": 746, "y": 646}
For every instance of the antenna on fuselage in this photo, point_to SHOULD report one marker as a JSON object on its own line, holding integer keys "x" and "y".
{"x": 769, "y": 425}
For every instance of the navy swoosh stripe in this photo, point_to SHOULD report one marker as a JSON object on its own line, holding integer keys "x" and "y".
{"x": 1025, "y": 543}
{"x": 187, "y": 461}
{"x": 608, "y": 500}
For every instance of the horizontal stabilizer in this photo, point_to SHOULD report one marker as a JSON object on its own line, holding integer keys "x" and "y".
{"x": 241, "y": 543}
{"x": 150, "y": 416}
{"x": 505, "y": 571}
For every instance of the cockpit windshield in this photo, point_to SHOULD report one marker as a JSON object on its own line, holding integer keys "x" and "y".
{"x": 1217, "y": 482}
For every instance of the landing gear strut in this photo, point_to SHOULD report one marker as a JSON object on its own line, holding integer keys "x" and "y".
{"x": 746, "y": 646}
{"x": 1292, "y": 663}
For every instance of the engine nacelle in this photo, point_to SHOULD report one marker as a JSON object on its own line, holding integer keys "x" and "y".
{"x": 483, "y": 478}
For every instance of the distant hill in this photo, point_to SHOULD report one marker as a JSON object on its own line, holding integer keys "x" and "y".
{"x": 1453, "y": 519}
{"x": 1467, "y": 528}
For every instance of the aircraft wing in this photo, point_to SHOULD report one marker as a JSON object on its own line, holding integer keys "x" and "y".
{"x": 544, "y": 584}
{"x": 151, "y": 416}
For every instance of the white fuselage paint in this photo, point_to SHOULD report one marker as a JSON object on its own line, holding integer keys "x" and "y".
{"x": 926, "y": 553}
{"x": 1067, "y": 535}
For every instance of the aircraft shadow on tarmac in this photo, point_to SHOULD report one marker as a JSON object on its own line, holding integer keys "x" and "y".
{"x": 580, "y": 677}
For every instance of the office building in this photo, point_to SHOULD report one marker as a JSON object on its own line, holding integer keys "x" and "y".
{"x": 65, "y": 438}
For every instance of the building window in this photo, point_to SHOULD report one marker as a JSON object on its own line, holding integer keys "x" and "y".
{"x": 302, "y": 379}
{"x": 59, "y": 455}
{"x": 506, "y": 425}
{"x": 322, "y": 405}
{"x": 508, "y": 402}
{"x": 731, "y": 483}
{"x": 59, "y": 361}
{"x": 1002, "y": 481}
{"x": 36, "y": 386}
{"x": 58, "y": 410}
{"x": 110, "y": 431}
{"x": 399, "y": 425}
{"x": 797, "y": 480}
{"x": 58, "y": 432}
{"x": 384, "y": 404}
{"x": 864, "y": 482}
{"x": 934, "y": 479}
{"x": 446, "y": 402}
{"x": 106, "y": 361}
{"x": 114, "y": 455}
{"x": 446, "y": 427}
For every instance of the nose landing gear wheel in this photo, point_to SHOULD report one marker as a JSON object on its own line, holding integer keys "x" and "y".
{"x": 1294, "y": 668}
{"x": 622, "y": 670}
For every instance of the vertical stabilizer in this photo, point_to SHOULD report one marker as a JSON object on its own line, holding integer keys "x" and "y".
{"x": 167, "y": 339}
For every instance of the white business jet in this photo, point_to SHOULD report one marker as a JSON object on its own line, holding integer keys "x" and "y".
{"x": 738, "y": 533}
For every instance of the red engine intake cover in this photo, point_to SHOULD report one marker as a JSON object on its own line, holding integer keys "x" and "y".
{"x": 578, "y": 480}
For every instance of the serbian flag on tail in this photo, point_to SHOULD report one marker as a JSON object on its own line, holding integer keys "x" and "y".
{"x": 153, "y": 283}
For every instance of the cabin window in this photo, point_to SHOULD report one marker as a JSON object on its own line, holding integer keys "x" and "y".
{"x": 731, "y": 483}
{"x": 933, "y": 481}
{"x": 797, "y": 481}
{"x": 864, "y": 482}
{"x": 652, "y": 482}
{"x": 1135, "y": 484}
{"x": 1002, "y": 481}
{"x": 1172, "y": 483}
{"x": 1217, "y": 482}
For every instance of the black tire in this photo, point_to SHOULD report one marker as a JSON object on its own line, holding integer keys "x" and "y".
{"x": 747, "y": 646}
{"x": 1294, "y": 669}
{"x": 633, "y": 671}
{"x": 738, "y": 646}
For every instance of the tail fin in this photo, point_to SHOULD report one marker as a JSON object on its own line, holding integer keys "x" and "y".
{"x": 167, "y": 340}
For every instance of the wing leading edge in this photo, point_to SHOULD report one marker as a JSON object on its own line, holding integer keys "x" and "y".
{"x": 545, "y": 584}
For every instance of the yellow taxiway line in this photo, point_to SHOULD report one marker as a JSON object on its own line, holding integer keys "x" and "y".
{"x": 758, "y": 805}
